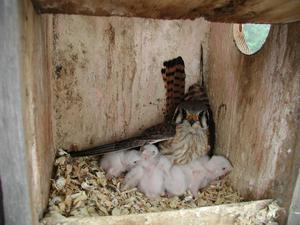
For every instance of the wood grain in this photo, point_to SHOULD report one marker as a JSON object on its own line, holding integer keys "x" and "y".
{"x": 106, "y": 74}
{"x": 241, "y": 11}
{"x": 13, "y": 158}
{"x": 222, "y": 214}
{"x": 255, "y": 100}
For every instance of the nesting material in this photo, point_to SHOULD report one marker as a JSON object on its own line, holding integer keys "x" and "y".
{"x": 80, "y": 188}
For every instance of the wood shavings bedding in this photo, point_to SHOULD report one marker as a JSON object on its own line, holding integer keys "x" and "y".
{"x": 80, "y": 188}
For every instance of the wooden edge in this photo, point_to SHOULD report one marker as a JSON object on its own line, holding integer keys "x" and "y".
{"x": 13, "y": 154}
{"x": 294, "y": 212}
{"x": 241, "y": 213}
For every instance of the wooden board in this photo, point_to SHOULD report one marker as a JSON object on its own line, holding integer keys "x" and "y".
{"x": 242, "y": 213}
{"x": 106, "y": 75}
{"x": 28, "y": 153}
{"x": 256, "y": 103}
{"x": 13, "y": 158}
{"x": 294, "y": 212}
{"x": 37, "y": 109}
{"x": 259, "y": 11}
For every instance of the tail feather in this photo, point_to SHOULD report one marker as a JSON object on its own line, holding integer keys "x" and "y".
{"x": 174, "y": 78}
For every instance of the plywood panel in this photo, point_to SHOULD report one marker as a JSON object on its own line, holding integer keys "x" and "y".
{"x": 106, "y": 74}
{"x": 256, "y": 102}
{"x": 262, "y": 11}
{"x": 37, "y": 108}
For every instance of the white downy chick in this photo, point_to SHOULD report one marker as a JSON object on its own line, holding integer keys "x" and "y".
{"x": 218, "y": 166}
{"x": 152, "y": 182}
{"x": 192, "y": 172}
{"x": 147, "y": 159}
{"x": 133, "y": 177}
{"x": 132, "y": 158}
{"x": 175, "y": 181}
{"x": 202, "y": 176}
{"x": 118, "y": 162}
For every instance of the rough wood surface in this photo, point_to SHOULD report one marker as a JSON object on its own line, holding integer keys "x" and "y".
{"x": 232, "y": 214}
{"x": 262, "y": 11}
{"x": 37, "y": 106}
{"x": 106, "y": 75}
{"x": 294, "y": 212}
{"x": 13, "y": 160}
{"x": 256, "y": 103}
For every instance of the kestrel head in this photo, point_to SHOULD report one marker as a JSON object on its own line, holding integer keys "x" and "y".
{"x": 193, "y": 112}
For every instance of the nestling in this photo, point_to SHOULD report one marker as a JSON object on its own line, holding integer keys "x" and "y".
{"x": 116, "y": 163}
{"x": 202, "y": 175}
{"x": 148, "y": 173}
{"x": 175, "y": 181}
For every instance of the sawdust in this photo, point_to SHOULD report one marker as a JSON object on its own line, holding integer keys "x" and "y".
{"x": 80, "y": 188}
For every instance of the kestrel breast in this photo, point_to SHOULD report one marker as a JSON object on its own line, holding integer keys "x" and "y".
{"x": 189, "y": 143}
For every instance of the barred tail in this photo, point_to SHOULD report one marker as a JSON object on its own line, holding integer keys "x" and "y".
{"x": 174, "y": 78}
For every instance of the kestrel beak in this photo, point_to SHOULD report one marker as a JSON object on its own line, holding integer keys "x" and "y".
{"x": 192, "y": 118}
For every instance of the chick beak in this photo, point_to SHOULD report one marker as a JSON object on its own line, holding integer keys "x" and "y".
{"x": 225, "y": 175}
{"x": 145, "y": 156}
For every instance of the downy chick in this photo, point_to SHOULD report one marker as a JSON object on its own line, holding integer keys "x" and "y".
{"x": 118, "y": 162}
{"x": 148, "y": 158}
{"x": 148, "y": 174}
{"x": 175, "y": 181}
{"x": 202, "y": 176}
{"x": 180, "y": 176}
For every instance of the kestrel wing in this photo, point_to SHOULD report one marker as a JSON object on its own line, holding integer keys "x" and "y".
{"x": 152, "y": 135}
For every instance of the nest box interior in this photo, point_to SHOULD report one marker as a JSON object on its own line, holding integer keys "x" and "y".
{"x": 94, "y": 77}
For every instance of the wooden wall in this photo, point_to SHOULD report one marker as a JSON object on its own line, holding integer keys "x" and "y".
{"x": 256, "y": 105}
{"x": 36, "y": 97}
{"x": 106, "y": 74}
{"x": 20, "y": 164}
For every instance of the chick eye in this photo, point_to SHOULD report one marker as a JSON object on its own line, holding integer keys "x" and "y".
{"x": 223, "y": 168}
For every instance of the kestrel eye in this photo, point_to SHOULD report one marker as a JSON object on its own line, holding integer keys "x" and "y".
{"x": 184, "y": 114}
{"x": 223, "y": 168}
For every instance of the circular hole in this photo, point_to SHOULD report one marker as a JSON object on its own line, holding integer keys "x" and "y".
{"x": 249, "y": 38}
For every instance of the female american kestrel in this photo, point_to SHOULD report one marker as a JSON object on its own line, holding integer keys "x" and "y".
{"x": 185, "y": 135}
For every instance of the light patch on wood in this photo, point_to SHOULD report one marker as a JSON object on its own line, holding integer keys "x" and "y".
{"x": 106, "y": 74}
